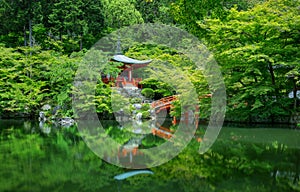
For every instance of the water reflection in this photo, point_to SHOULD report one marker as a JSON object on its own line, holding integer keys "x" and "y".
{"x": 242, "y": 159}
{"x": 138, "y": 144}
{"x": 145, "y": 134}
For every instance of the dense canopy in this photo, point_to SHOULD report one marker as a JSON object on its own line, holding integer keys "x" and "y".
{"x": 256, "y": 44}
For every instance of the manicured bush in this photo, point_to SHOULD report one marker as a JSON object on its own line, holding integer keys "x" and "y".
{"x": 148, "y": 92}
{"x": 145, "y": 114}
{"x": 145, "y": 107}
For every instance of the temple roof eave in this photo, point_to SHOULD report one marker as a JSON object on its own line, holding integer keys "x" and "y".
{"x": 128, "y": 60}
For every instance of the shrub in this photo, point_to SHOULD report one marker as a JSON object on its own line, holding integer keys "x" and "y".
{"x": 145, "y": 114}
{"x": 135, "y": 100}
{"x": 145, "y": 107}
{"x": 148, "y": 92}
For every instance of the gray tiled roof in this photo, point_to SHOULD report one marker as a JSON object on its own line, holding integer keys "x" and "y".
{"x": 125, "y": 59}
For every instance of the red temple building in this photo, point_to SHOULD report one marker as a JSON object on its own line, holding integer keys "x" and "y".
{"x": 125, "y": 78}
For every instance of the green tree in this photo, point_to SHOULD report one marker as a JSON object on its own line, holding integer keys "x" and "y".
{"x": 188, "y": 13}
{"x": 66, "y": 25}
{"x": 121, "y": 13}
{"x": 20, "y": 86}
{"x": 17, "y": 18}
{"x": 31, "y": 78}
{"x": 258, "y": 51}
{"x": 154, "y": 11}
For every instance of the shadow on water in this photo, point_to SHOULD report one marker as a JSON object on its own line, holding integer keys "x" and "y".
{"x": 242, "y": 159}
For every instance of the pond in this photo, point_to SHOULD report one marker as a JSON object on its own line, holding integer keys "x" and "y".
{"x": 51, "y": 158}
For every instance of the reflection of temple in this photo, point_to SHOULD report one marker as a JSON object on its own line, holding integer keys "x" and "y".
{"x": 130, "y": 149}
{"x": 133, "y": 152}
{"x": 125, "y": 78}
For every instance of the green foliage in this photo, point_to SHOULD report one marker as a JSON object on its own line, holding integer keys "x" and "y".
{"x": 154, "y": 11}
{"x": 145, "y": 106}
{"x": 257, "y": 50}
{"x": 135, "y": 100}
{"x": 254, "y": 41}
{"x": 90, "y": 91}
{"x": 31, "y": 78}
{"x": 121, "y": 13}
{"x": 71, "y": 24}
{"x": 148, "y": 92}
{"x": 145, "y": 114}
{"x": 176, "y": 109}
{"x": 161, "y": 89}
{"x": 189, "y": 13}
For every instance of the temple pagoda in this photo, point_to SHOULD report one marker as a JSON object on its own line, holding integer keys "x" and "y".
{"x": 125, "y": 77}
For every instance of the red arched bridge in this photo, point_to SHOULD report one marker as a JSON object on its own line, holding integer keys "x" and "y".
{"x": 164, "y": 103}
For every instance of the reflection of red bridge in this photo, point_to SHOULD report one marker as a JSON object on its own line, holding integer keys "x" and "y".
{"x": 164, "y": 103}
{"x": 162, "y": 132}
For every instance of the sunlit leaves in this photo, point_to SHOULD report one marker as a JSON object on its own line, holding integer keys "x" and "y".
{"x": 31, "y": 77}
{"x": 257, "y": 49}
{"x": 121, "y": 13}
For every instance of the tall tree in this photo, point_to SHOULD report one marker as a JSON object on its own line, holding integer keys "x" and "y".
{"x": 189, "y": 13}
{"x": 120, "y": 13}
{"x": 17, "y": 19}
{"x": 258, "y": 50}
{"x": 155, "y": 11}
{"x": 80, "y": 21}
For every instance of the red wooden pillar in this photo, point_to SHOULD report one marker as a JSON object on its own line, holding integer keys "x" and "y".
{"x": 130, "y": 75}
{"x": 197, "y": 112}
{"x": 174, "y": 122}
{"x": 186, "y": 117}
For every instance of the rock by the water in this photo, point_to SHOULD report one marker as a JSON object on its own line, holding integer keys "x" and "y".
{"x": 55, "y": 109}
{"x": 137, "y": 106}
{"x": 44, "y": 127}
{"x": 139, "y": 116}
{"x": 46, "y": 107}
{"x": 66, "y": 121}
{"x": 42, "y": 116}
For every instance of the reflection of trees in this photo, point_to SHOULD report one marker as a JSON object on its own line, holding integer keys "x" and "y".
{"x": 61, "y": 161}
{"x": 57, "y": 163}
{"x": 231, "y": 161}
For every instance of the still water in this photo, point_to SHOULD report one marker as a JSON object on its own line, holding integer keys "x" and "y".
{"x": 51, "y": 158}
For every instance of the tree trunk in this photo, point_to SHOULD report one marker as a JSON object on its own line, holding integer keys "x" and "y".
{"x": 81, "y": 42}
{"x": 30, "y": 26}
{"x": 30, "y": 34}
{"x": 295, "y": 93}
{"x": 25, "y": 37}
{"x": 30, "y": 43}
{"x": 272, "y": 73}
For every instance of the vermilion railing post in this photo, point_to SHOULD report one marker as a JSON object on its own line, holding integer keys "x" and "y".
{"x": 197, "y": 112}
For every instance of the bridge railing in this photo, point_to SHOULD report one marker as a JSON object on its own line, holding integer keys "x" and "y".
{"x": 164, "y": 101}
